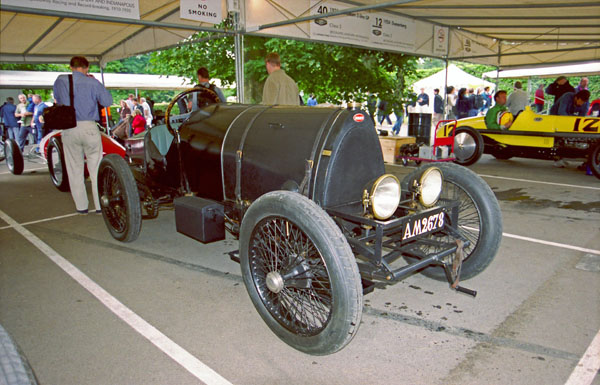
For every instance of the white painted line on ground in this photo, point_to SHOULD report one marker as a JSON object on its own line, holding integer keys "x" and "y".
{"x": 555, "y": 244}
{"x": 170, "y": 348}
{"x": 588, "y": 366}
{"x": 26, "y": 170}
{"x": 41, "y": 220}
{"x": 541, "y": 241}
{"x": 540, "y": 182}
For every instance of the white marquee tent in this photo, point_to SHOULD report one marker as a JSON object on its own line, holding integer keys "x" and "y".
{"x": 456, "y": 77}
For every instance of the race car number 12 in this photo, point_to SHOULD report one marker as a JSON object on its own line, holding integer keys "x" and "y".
{"x": 425, "y": 225}
{"x": 587, "y": 124}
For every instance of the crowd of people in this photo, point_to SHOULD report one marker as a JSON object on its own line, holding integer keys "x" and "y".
{"x": 24, "y": 121}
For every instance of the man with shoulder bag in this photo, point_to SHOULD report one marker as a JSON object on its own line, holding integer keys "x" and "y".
{"x": 82, "y": 142}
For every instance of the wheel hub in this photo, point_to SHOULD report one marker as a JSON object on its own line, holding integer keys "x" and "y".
{"x": 274, "y": 282}
{"x": 104, "y": 200}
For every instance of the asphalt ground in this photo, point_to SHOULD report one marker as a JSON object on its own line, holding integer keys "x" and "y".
{"x": 166, "y": 309}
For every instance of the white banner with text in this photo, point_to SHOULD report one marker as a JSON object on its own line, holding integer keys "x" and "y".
{"x": 128, "y": 9}
{"x": 370, "y": 28}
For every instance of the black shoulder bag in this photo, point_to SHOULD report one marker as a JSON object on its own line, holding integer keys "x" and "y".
{"x": 61, "y": 117}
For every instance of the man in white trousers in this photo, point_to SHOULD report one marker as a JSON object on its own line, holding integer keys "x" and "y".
{"x": 83, "y": 141}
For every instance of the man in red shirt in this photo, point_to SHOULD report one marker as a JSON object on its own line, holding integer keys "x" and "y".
{"x": 539, "y": 98}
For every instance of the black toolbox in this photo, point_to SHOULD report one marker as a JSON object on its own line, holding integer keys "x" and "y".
{"x": 201, "y": 219}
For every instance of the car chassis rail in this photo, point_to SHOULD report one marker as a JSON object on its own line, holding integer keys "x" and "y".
{"x": 380, "y": 235}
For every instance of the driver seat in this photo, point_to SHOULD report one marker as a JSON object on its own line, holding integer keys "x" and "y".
{"x": 157, "y": 142}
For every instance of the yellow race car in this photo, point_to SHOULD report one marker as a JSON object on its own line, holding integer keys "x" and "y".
{"x": 531, "y": 135}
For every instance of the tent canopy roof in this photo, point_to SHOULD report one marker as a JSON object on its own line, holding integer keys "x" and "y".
{"x": 456, "y": 77}
{"x": 547, "y": 72}
{"x": 506, "y": 33}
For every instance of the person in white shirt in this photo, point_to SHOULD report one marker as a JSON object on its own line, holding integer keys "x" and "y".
{"x": 147, "y": 112}
{"x": 517, "y": 100}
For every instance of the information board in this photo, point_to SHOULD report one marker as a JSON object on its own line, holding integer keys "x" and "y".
{"x": 128, "y": 9}
{"x": 370, "y": 29}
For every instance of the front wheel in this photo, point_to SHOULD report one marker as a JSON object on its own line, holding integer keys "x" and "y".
{"x": 300, "y": 273}
{"x": 594, "y": 160}
{"x": 14, "y": 157}
{"x": 479, "y": 220}
{"x": 468, "y": 146}
{"x": 57, "y": 166}
{"x": 119, "y": 198}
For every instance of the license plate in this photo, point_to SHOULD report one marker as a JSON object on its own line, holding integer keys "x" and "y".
{"x": 423, "y": 224}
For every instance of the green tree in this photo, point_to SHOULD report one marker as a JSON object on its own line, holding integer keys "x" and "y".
{"x": 333, "y": 73}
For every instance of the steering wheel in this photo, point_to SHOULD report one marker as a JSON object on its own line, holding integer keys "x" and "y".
{"x": 188, "y": 101}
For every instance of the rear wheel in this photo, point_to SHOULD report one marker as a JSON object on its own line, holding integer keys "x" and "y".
{"x": 300, "y": 273}
{"x": 594, "y": 160}
{"x": 479, "y": 220}
{"x": 57, "y": 166}
{"x": 119, "y": 198}
{"x": 14, "y": 157}
{"x": 468, "y": 146}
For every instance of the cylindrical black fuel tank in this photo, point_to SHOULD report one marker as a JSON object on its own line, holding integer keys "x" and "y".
{"x": 240, "y": 152}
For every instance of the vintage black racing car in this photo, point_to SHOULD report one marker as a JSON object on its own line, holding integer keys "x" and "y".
{"x": 306, "y": 193}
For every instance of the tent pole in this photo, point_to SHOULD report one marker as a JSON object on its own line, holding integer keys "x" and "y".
{"x": 238, "y": 41}
{"x": 445, "y": 91}
{"x": 105, "y": 108}
{"x": 498, "y": 66}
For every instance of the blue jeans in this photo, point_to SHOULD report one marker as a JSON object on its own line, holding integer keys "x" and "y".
{"x": 398, "y": 124}
{"x": 12, "y": 133}
{"x": 384, "y": 117}
{"x": 23, "y": 132}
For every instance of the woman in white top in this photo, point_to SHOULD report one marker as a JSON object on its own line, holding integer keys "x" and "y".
{"x": 147, "y": 112}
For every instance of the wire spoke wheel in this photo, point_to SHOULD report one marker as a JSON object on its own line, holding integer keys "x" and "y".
{"x": 113, "y": 200}
{"x": 479, "y": 222}
{"x": 290, "y": 276}
{"x": 300, "y": 273}
{"x": 119, "y": 198}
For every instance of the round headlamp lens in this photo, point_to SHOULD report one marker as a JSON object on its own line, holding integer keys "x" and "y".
{"x": 430, "y": 186}
{"x": 385, "y": 196}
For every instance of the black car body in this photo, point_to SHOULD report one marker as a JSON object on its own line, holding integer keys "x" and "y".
{"x": 305, "y": 191}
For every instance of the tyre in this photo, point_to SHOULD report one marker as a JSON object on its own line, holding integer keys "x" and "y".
{"x": 57, "y": 166}
{"x": 300, "y": 273}
{"x": 119, "y": 198}
{"x": 468, "y": 146}
{"x": 14, "y": 157}
{"x": 479, "y": 220}
{"x": 594, "y": 160}
{"x": 14, "y": 367}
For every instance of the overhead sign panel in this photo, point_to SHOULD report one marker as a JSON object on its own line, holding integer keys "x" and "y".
{"x": 128, "y": 9}
{"x": 208, "y": 11}
{"x": 370, "y": 29}
{"x": 440, "y": 40}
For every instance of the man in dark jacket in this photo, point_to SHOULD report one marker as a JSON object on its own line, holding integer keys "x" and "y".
{"x": 438, "y": 107}
{"x": 571, "y": 103}
{"x": 560, "y": 86}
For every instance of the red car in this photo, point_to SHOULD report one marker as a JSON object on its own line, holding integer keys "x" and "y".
{"x": 54, "y": 156}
